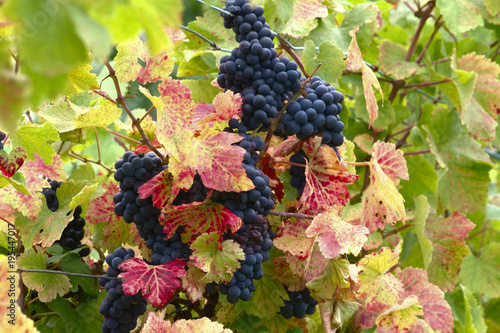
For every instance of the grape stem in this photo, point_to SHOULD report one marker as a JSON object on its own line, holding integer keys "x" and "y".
{"x": 67, "y": 273}
{"x": 123, "y": 136}
{"x": 286, "y": 46}
{"x": 294, "y": 215}
{"x": 417, "y": 152}
{"x": 289, "y": 163}
{"x": 147, "y": 113}
{"x": 85, "y": 160}
{"x": 395, "y": 231}
{"x": 120, "y": 100}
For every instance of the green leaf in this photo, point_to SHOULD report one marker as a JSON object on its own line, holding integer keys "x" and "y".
{"x": 365, "y": 15}
{"x": 392, "y": 60}
{"x": 82, "y": 319}
{"x": 329, "y": 56}
{"x": 466, "y": 165}
{"x": 202, "y": 91}
{"x": 13, "y": 98}
{"x": 266, "y": 299}
{"x": 100, "y": 115}
{"x": 482, "y": 274}
{"x": 460, "y": 15}
{"x": 219, "y": 262}
{"x": 85, "y": 194}
{"x": 474, "y": 316}
{"x": 335, "y": 275}
{"x": 33, "y": 138}
{"x": 46, "y": 229}
{"x": 74, "y": 264}
{"x": 423, "y": 178}
{"x": 342, "y": 310}
{"x": 6, "y": 181}
{"x": 81, "y": 79}
{"x": 48, "y": 285}
{"x": 302, "y": 20}
{"x": 422, "y": 209}
{"x": 95, "y": 35}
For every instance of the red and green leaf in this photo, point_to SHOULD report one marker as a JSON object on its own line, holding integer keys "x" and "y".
{"x": 11, "y": 162}
{"x": 448, "y": 240}
{"x": 159, "y": 188}
{"x": 326, "y": 178}
{"x": 157, "y": 283}
{"x": 199, "y": 218}
{"x": 335, "y": 236}
{"x": 293, "y": 238}
{"x": 218, "y": 259}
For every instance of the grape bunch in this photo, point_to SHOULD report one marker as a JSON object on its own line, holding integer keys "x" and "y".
{"x": 256, "y": 241}
{"x": 132, "y": 172}
{"x": 253, "y": 68}
{"x": 316, "y": 113}
{"x": 197, "y": 193}
{"x": 119, "y": 309}
{"x": 2, "y": 137}
{"x": 300, "y": 304}
{"x": 253, "y": 236}
{"x": 74, "y": 231}
{"x": 298, "y": 173}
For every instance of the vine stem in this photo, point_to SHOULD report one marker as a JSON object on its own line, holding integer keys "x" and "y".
{"x": 289, "y": 163}
{"x": 417, "y": 152}
{"x": 85, "y": 160}
{"x": 289, "y": 50}
{"x": 437, "y": 25}
{"x": 294, "y": 215}
{"x": 123, "y": 136}
{"x": 37, "y": 315}
{"x": 424, "y": 84}
{"x": 10, "y": 223}
{"x": 214, "y": 45}
{"x": 146, "y": 114}
{"x": 423, "y": 18}
{"x": 120, "y": 100}
{"x": 395, "y": 231}
{"x": 67, "y": 273}
{"x": 358, "y": 163}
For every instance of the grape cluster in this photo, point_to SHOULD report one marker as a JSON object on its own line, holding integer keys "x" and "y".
{"x": 300, "y": 304}
{"x": 132, "y": 172}
{"x": 74, "y": 231}
{"x": 253, "y": 236}
{"x": 119, "y": 310}
{"x": 316, "y": 113}
{"x": 253, "y": 68}
{"x": 2, "y": 137}
{"x": 298, "y": 173}
{"x": 256, "y": 241}
{"x": 197, "y": 193}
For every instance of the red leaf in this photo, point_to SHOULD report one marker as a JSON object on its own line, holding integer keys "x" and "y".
{"x": 293, "y": 239}
{"x": 157, "y": 283}
{"x": 335, "y": 236}
{"x": 309, "y": 267}
{"x": 275, "y": 183}
{"x": 102, "y": 209}
{"x": 287, "y": 147}
{"x": 199, "y": 217}
{"x": 34, "y": 171}
{"x": 448, "y": 240}
{"x": 225, "y": 106}
{"x": 10, "y": 163}
{"x": 437, "y": 312}
{"x": 218, "y": 163}
{"x": 391, "y": 160}
{"x": 286, "y": 276}
{"x": 160, "y": 187}
{"x": 326, "y": 178}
